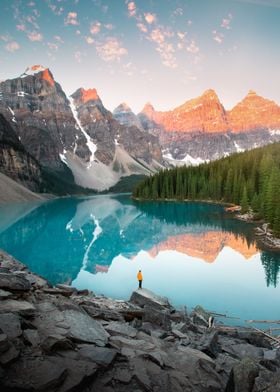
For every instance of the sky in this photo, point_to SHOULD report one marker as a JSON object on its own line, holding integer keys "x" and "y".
{"x": 160, "y": 51}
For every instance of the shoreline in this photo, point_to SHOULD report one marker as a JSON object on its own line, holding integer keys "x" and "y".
{"x": 266, "y": 238}
{"x": 58, "y": 338}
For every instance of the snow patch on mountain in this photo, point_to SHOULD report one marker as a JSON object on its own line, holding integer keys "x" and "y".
{"x": 91, "y": 146}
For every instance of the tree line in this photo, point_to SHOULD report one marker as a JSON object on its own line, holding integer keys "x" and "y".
{"x": 250, "y": 179}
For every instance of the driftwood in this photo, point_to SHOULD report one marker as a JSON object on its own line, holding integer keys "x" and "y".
{"x": 268, "y": 336}
{"x": 264, "y": 321}
{"x": 223, "y": 315}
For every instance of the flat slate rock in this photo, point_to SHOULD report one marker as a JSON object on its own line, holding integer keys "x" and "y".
{"x": 35, "y": 374}
{"x": 14, "y": 282}
{"x": 144, "y": 297}
{"x": 10, "y": 325}
{"x": 84, "y": 329}
{"x": 22, "y": 307}
{"x": 101, "y": 355}
{"x": 118, "y": 328}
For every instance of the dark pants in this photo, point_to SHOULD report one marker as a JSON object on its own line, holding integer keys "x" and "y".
{"x": 140, "y": 284}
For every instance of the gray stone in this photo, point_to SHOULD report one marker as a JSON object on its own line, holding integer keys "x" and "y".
{"x": 10, "y": 325}
{"x": 118, "y": 328}
{"x": 56, "y": 291}
{"x": 4, "y": 294}
{"x": 159, "y": 317}
{"x": 178, "y": 334}
{"x": 66, "y": 287}
{"x": 242, "y": 377}
{"x": 102, "y": 313}
{"x": 100, "y": 355}
{"x": 144, "y": 297}
{"x": 244, "y": 350}
{"x": 14, "y": 282}
{"x": 24, "y": 308}
{"x": 4, "y": 343}
{"x": 56, "y": 342}
{"x": 272, "y": 355}
{"x": 123, "y": 375}
{"x": 36, "y": 374}
{"x": 9, "y": 355}
{"x": 36, "y": 281}
{"x": 209, "y": 343}
{"x": 133, "y": 344}
{"x": 78, "y": 371}
{"x": 84, "y": 329}
{"x": 32, "y": 337}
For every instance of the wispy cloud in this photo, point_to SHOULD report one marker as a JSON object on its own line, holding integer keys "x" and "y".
{"x": 71, "y": 19}
{"x": 21, "y": 27}
{"x": 218, "y": 37}
{"x": 131, "y": 7}
{"x": 192, "y": 47}
{"x": 89, "y": 40}
{"x": 35, "y": 36}
{"x": 150, "y": 18}
{"x": 142, "y": 27}
{"x": 58, "y": 39}
{"x": 164, "y": 48}
{"x": 53, "y": 46}
{"x": 110, "y": 50}
{"x": 95, "y": 27}
{"x": 226, "y": 22}
{"x": 12, "y": 46}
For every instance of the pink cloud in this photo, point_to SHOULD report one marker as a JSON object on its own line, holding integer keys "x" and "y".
{"x": 35, "y": 36}
{"x": 21, "y": 27}
{"x": 218, "y": 37}
{"x": 226, "y": 22}
{"x": 110, "y": 50}
{"x": 89, "y": 40}
{"x": 58, "y": 39}
{"x": 95, "y": 27}
{"x": 52, "y": 46}
{"x": 12, "y": 46}
{"x": 165, "y": 49}
{"x": 109, "y": 26}
{"x": 71, "y": 19}
{"x": 192, "y": 47}
{"x": 131, "y": 7}
{"x": 142, "y": 27}
{"x": 78, "y": 56}
{"x": 150, "y": 18}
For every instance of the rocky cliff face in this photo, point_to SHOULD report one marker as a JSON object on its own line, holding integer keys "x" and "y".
{"x": 15, "y": 161}
{"x": 79, "y": 133}
{"x": 201, "y": 129}
{"x": 125, "y": 116}
{"x": 42, "y": 117}
{"x": 254, "y": 113}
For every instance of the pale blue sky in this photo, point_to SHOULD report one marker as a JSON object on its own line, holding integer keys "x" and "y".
{"x": 162, "y": 51}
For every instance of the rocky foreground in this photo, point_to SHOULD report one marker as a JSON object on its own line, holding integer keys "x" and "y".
{"x": 61, "y": 339}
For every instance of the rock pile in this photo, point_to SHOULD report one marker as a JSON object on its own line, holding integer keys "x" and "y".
{"x": 61, "y": 339}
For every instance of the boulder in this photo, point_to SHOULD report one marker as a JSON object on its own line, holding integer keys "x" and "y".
{"x": 4, "y": 294}
{"x": 32, "y": 337}
{"x": 84, "y": 329}
{"x": 101, "y": 355}
{"x": 10, "y": 325}
{"x": 56, "y": 342}
{"x": 244, "y": 350}
{"x": 24, "y": 308}
{"x": 242, "y": 376}
{"x": 159, "y": 317}
{"x": 4, "y": 343}
{"x": 144, "y": 297}
{"x": 9, "y": 355}
{"x": 118, "y": 328}
{"x": 209, "y": 343}
{"x": 35, "y": 374}
{"x": 14, "y": 282}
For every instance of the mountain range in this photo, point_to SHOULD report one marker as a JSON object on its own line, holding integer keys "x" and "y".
{"x": 77, "y": 140}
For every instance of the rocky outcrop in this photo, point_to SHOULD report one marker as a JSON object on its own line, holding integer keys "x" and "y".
{"x": 254, "y": 113}
{"x": 15, "y": 161}
{"x": 62, "y": 339}
{"x": 201, "y": 129}
{"x": 42, "y": 117}
{"x": 125, "y": 116}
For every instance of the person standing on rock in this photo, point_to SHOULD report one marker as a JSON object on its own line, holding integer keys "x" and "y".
{"x": 140, "y": 278}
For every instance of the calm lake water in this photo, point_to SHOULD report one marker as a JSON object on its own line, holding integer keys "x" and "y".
{"x": 192, "y": 253}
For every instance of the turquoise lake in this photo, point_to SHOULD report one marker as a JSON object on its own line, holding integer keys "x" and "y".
{"x": 192, "y": 253}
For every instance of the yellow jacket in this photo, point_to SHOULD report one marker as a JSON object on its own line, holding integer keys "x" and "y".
{"x": 139, "y": 276}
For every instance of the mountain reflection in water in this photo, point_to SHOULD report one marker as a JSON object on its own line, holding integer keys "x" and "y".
{"x": 60, "y": 238}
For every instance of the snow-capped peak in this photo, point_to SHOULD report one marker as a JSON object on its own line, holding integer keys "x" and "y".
{"x": 33, "y": 69}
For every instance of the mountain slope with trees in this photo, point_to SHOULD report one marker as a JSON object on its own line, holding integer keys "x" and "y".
{"x": 250, "y": 179}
